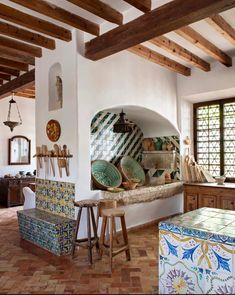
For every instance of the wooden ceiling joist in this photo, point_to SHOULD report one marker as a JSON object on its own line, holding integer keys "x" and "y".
{"x": 13, "y": 64}
{"x": 155, "y": 23}
{"x": 159, "y": 59}
{"x": 9, "y": 71}
{"x": 20, "y": 47}
{"x": 5, "y": 77}
{"x": 224, "y": 28}
{"x": 143, "y": 5}
{"x": 34, "y": 23}
{"x": 25, "y": 35}
{"x": 12, "y": 54}
{"x": 23, "y": 81}
{"x": 100, "y": 9}
{"x": 61, "y": 15}
{"x": 180, "y": 52}
{"x": 198, "y": 40}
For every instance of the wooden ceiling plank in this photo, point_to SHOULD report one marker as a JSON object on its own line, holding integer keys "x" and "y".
{"x": 100, "y": 9}
{"x": 159, "y": 59}
{"x": 61, "y": 15}
{"x": 223, "y": 27}
{"x": 34, "y": 23}
{"x": 164, "y": 19}
{"x": 5, "y": 77}
{"x": 11, "y": 72}
{"x": 198, "y": 40}
{"x": 23, "y": 94}
{"x": 1, "y": 81}
{"x": 12, "y": 54}
{"x": 27, "y": 36}
{"x": 25, "y": 80}
{"x": 143, "y": 5}
{"x": 181, "y": 52}
{"x": 13, "y": 64}
{"x": 21, "y": 47}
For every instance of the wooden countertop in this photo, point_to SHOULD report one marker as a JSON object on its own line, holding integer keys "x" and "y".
{"x": 228, "y": 185}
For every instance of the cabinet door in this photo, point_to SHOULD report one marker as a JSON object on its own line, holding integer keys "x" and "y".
{"x": 227, "y": 203}
{"x": 190, "y": 202}
{"x": 207, "y": 201}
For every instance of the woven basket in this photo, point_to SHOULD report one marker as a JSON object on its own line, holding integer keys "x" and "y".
{"x": 130, "y": 168}
{"x": 105, "y": 174}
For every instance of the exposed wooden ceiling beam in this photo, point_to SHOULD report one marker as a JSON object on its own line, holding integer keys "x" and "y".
{"x": 11, "y": 72}
{"x": 1, "y": 81}
{"x": 25, "y": 35}
{"x": 12, "y": 54}
{"x": 180, "y": 52}
{"x": 24, "y": 94}
{"x": 20, "y": 47}
{"x": 60, "y": 14}
{"x": 100, "y": 9}
{"x": 159, "y": 59}
{"x": 25, "y": 80}
{"x": 143, "y": 5}
{"x": 224, "y": 28}
{"x": 13, "y": 64}
{"x": 157, "y": 22}
{"x": 34, "y": 23}
{"x": 198, "y": 40}
{"x": 5, "y": 77}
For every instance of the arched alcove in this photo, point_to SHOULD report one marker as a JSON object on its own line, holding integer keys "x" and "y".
{"x": 110, "y": 146}
{"x": 55, "y": 88}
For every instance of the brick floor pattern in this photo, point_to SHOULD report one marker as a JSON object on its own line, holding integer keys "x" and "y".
{"x": 28, "y": 269}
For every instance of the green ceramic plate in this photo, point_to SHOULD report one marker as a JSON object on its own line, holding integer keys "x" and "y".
{"x": 105, "y": 174}
{"x": 130, "y": 168}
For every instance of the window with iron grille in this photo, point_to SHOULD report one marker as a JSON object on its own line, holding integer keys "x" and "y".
{"x": 214, "y": 136}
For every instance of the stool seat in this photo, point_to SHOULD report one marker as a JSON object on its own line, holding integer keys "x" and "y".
{"x": 86, "y": 203}
{"x": 113, "y": 212}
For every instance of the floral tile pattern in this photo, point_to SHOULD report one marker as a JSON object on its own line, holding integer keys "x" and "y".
{"x": 191, "y": 247}
{"x": 55, "y": 197}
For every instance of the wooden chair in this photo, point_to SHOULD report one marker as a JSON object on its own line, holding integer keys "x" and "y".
{"x": 90, "y": 241}
{"x": 109, "y": 216}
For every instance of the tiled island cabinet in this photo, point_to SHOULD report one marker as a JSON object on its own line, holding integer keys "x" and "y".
{"x": 196, "y": 253}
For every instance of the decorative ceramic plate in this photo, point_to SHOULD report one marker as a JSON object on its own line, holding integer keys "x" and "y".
{"x": 105, "y": 174}
{"x": 130, "y": 169}
{"x": 53, "y": 130}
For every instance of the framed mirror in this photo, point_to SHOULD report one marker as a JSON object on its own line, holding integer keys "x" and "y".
{"x": 19, "y": 150}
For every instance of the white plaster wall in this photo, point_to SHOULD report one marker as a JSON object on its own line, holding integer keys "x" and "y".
{"x": 123, "y": 79}
{"x": 65, "y": 54}
{"x": 27, "y": 111}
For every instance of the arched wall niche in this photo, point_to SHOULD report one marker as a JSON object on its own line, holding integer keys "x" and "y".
{"x": 55, "y": 87}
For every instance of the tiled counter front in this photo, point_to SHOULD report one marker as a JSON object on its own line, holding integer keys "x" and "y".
{"x": 196, "y": 253}
{"x": 49, "y": 231}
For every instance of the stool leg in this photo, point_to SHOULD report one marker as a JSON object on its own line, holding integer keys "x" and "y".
{"x": 95, "y": 230}
{"x": 111, "y": 223}
{"x": 89, "y": 236}
{"x": 125, "y": 237}
{"x": 102, "y": 235}
{"x": 115, "y": 231}
{"x": 76, "y": 231}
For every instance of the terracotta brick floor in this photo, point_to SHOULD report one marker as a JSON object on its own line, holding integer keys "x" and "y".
{"x": 27, "y": 269}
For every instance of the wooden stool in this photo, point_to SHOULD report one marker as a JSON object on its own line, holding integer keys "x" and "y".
{"x": 108, "y": 216}
{"x": 107, "y": 204}
{"x": 90, "y": 241}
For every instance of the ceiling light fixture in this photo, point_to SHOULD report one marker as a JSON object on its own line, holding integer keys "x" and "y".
{"x": 9, "y": 123}
{"x": 123, "y": 125}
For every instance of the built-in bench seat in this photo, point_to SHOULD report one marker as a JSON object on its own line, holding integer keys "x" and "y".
{"x": 49, "y": 231}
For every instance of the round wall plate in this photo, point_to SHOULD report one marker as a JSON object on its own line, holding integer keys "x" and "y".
{"x": 53, "y": 130}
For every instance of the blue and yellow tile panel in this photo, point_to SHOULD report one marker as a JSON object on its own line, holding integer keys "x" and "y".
{"x": 49, "y": 231}
{"x": 55, "y": 197}
{"x": 196, "y": 253}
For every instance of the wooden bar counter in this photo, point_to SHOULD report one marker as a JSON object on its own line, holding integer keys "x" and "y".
{"x": 213, "y": 195}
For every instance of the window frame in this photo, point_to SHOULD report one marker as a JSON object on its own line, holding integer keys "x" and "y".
{"x": 220, "y": 102}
